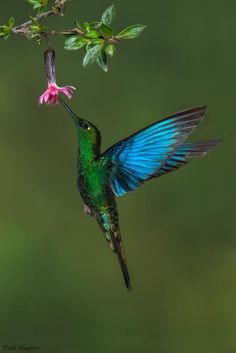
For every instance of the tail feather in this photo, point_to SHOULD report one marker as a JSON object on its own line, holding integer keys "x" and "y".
{"x": 117, "y": 245}
{"x": 108, "y": 223}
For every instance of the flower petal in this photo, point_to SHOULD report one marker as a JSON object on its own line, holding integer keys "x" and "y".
{"x": 50, "y": 96}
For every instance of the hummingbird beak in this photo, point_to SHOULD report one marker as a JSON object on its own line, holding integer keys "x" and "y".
{"x": 72, "y": 115}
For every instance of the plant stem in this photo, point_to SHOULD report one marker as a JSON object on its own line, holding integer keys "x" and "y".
{"x": 76, "y": 31}
{"x": 59, "y": 5}
{"x": 23, "y": 29}
{"x": 36, "y": 18}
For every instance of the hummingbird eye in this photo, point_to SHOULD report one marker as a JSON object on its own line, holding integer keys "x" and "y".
{"x": 85, "y": 125}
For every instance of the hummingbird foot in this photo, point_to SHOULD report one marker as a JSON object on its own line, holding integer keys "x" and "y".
{"x": 87, "y": 210}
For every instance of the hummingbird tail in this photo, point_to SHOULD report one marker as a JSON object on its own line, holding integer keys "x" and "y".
{"x": 108, "y": 223}
{"x": 117, "y": 246}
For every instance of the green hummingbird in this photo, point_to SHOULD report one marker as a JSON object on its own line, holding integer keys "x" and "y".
{"x": 149, "y": 153}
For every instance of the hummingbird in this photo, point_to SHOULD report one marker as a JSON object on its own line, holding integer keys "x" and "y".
{"x": 156, "y": 150}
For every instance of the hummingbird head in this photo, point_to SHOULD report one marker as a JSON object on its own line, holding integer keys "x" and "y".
{"x": 88, "y": 134}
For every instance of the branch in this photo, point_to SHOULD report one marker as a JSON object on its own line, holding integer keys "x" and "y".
{"x": 76, "y": 31}
{"x": 23, "y": 29}
{"x": 97, "y": 38}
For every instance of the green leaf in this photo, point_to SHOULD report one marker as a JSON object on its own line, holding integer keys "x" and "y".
{"x": 74, "y": 43}
{"x": 131, "y": 32}
{"x": 108, "y": 15}
{"x": 36, "y": 29}
{"x": 33, "y": 2}
{"x": 92, "y": 54}
{"x": 34, "y": 21}
{"x": 78, "y": 25}
{"x": 93, "y": 35}
{"x": 38, "y": 4}
{"x": 110, "y": 50}
{"x": 106, "y": 30}
{"x": 87, "y": 27}
{"x": 96, "y": 41}
{"x": 95, "y": 25}
{"x": 4, "y": 31}
{"x": 102, "y": 61}
{"x": 11, "y": 22}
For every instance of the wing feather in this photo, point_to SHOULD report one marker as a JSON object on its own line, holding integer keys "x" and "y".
{"x": 148, "y": 152}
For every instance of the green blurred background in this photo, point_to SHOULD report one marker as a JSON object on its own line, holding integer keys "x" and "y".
{"x": 61, "y": 287}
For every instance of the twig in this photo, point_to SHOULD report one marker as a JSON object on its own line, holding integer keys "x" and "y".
{"x": 36, "y": 18}
{"x": 27, "y": 33}
{"x": 23, "y": 29}
{"x": 59, "y": 5}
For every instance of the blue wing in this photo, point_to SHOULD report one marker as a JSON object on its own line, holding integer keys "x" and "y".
{"x": 183, "y": 153}
{"x": 151, "y": 151}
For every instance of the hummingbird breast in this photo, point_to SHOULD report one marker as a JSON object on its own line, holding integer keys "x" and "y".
{"x": 94, "y": 186}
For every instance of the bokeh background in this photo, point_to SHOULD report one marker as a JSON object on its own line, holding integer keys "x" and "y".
{"x": 60, "y": 286}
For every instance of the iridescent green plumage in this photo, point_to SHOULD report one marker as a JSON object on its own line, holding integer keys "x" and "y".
{"x": 152, "y": 152}
{"x": 93, "y": 185}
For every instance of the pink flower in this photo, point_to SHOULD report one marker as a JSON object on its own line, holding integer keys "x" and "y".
{"x": 50, "y": 96}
